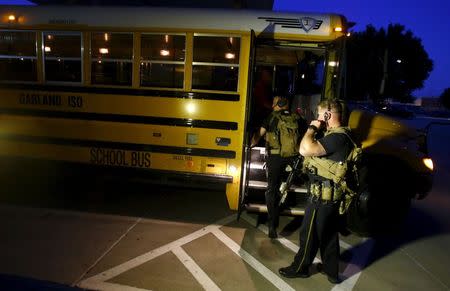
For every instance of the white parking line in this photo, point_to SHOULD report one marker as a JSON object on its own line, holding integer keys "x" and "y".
{"x": 424, "y": 268}
{"x": 106, "y": 252}
{"x": 287, "y": 243}
{"x": 284, "y": 241}
{"x": 97, "y": 280}
{"x": 99, "y": 285}
{"x": 353, "y": 270}
{"x": 195, "y": 270}
{"x": 263, "y": 270}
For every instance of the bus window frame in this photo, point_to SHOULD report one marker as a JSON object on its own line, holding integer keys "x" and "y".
{"x": 217, "y": 64}
{"x": 149, "y": 61}
{"x": 44, "y": 58}
{"x": 36, "y": 58}
{"x": 92, "y": 59}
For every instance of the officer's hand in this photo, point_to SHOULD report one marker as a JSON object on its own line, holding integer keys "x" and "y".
{"x": 317, "y": 123}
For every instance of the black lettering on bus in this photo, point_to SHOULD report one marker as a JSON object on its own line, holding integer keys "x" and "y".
{"x": 29, "y": 99}
{"x": 147, "y": 160}
{"x": 34, "y": 99}
{"x": 93, "y": 155}
{"x": 52, "y": 100}
{"x": 75, "y": 101}
{"x": 140, "y": 159}
{"x": 108, "y": 157}
{"x": 37, "y": 99}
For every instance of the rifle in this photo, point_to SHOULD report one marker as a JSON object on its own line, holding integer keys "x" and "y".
{"x": 285, "y": 186}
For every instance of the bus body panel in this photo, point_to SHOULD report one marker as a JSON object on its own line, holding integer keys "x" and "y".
{"x": 300, "y": 25}
{"x": 192, "y": 128}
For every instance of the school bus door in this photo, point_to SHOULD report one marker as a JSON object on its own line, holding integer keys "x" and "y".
{"x": 247, "y": 138}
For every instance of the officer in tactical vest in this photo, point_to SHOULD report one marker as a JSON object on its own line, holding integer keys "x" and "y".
{"x": 282, "y": 134}
{"x": 323, "y": 139}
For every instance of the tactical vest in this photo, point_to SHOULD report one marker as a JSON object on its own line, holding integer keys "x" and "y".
{"x": 335, "y": 187}
{"x": 283, "y": 140}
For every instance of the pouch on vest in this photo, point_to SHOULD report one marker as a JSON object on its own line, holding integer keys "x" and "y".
{"x": 285, "y": 137}
{"x": 344, "y": 174}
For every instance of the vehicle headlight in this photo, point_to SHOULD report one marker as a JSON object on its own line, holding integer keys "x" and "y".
{"x": 428, "y": 162}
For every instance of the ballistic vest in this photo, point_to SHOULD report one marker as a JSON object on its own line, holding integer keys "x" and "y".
{"x": 336, "y": 174}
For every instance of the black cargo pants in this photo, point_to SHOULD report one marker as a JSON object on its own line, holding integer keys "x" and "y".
{"x": 276, "y": 166}
{"x": 319, "y": 229}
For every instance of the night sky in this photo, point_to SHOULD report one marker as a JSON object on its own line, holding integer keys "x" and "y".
{"x": 428, "y": 20}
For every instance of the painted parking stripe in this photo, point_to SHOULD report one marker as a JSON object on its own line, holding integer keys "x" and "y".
{"x": 195, "y": 270}
{"x": 360, "y": 257}
{"x": 249, "y": 259}
{"x": 106, "y": 252}
{"x": 95, "y": 280}
{"x": 287, "y": 243}
{"x": 403, "y": 250}
{"x": 98, "y": 282}
{"x": 112, "y": 287}
{"x": 354, "y": 268}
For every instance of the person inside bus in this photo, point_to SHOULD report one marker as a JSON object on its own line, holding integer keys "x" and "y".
{"x": 320, "y": 225}
{"x": 262, "y": 93}
{"x": 281, "y": 130}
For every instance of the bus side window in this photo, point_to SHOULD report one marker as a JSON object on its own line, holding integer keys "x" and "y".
{"x": 112, "y": 58}
{"x": 18, "y": 61}
{"x": 216, "y": 63}
{"x": 62, "y": 56}
{"x": 162, "y": 60}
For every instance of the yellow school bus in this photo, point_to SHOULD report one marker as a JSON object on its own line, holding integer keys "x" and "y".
{"x": 169, "y": 91}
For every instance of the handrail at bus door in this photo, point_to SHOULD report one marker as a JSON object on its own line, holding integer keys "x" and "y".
{"x": 245, "y": 168}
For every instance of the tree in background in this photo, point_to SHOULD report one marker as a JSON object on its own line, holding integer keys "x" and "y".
{"x": 445, "y": 98}
{"x": 384, "y": 64}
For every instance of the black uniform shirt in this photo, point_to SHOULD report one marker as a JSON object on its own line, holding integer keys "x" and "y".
{"x": 337, "y": 146}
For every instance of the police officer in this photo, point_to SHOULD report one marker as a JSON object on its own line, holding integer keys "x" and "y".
{"x": 276, "y": 162}
{"x": 319, "y": 229}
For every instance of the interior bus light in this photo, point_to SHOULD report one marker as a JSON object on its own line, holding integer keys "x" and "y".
{"x": 338, "y": 29}
{"x": 332, "y": 63}
{"x": 106, "y": 37}
{"x": 47, "y": 49}
{"x": 230, "y": 56}
{"x": 12, "y": 17}
{"x": 164, "y": 53}
{"x": 103, "y": 51}
{"x": 428, "y": 163}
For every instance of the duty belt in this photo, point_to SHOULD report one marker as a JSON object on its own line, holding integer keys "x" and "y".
{"x": 274, "y": 151}
{"x": 325, "y": 191}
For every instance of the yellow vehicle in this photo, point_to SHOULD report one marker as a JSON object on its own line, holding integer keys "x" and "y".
{"x": 167, "y": 91}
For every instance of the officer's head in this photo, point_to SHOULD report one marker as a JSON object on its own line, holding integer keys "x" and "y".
{"x": 331, "y": 111}
{"x": 280, "y": 102}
